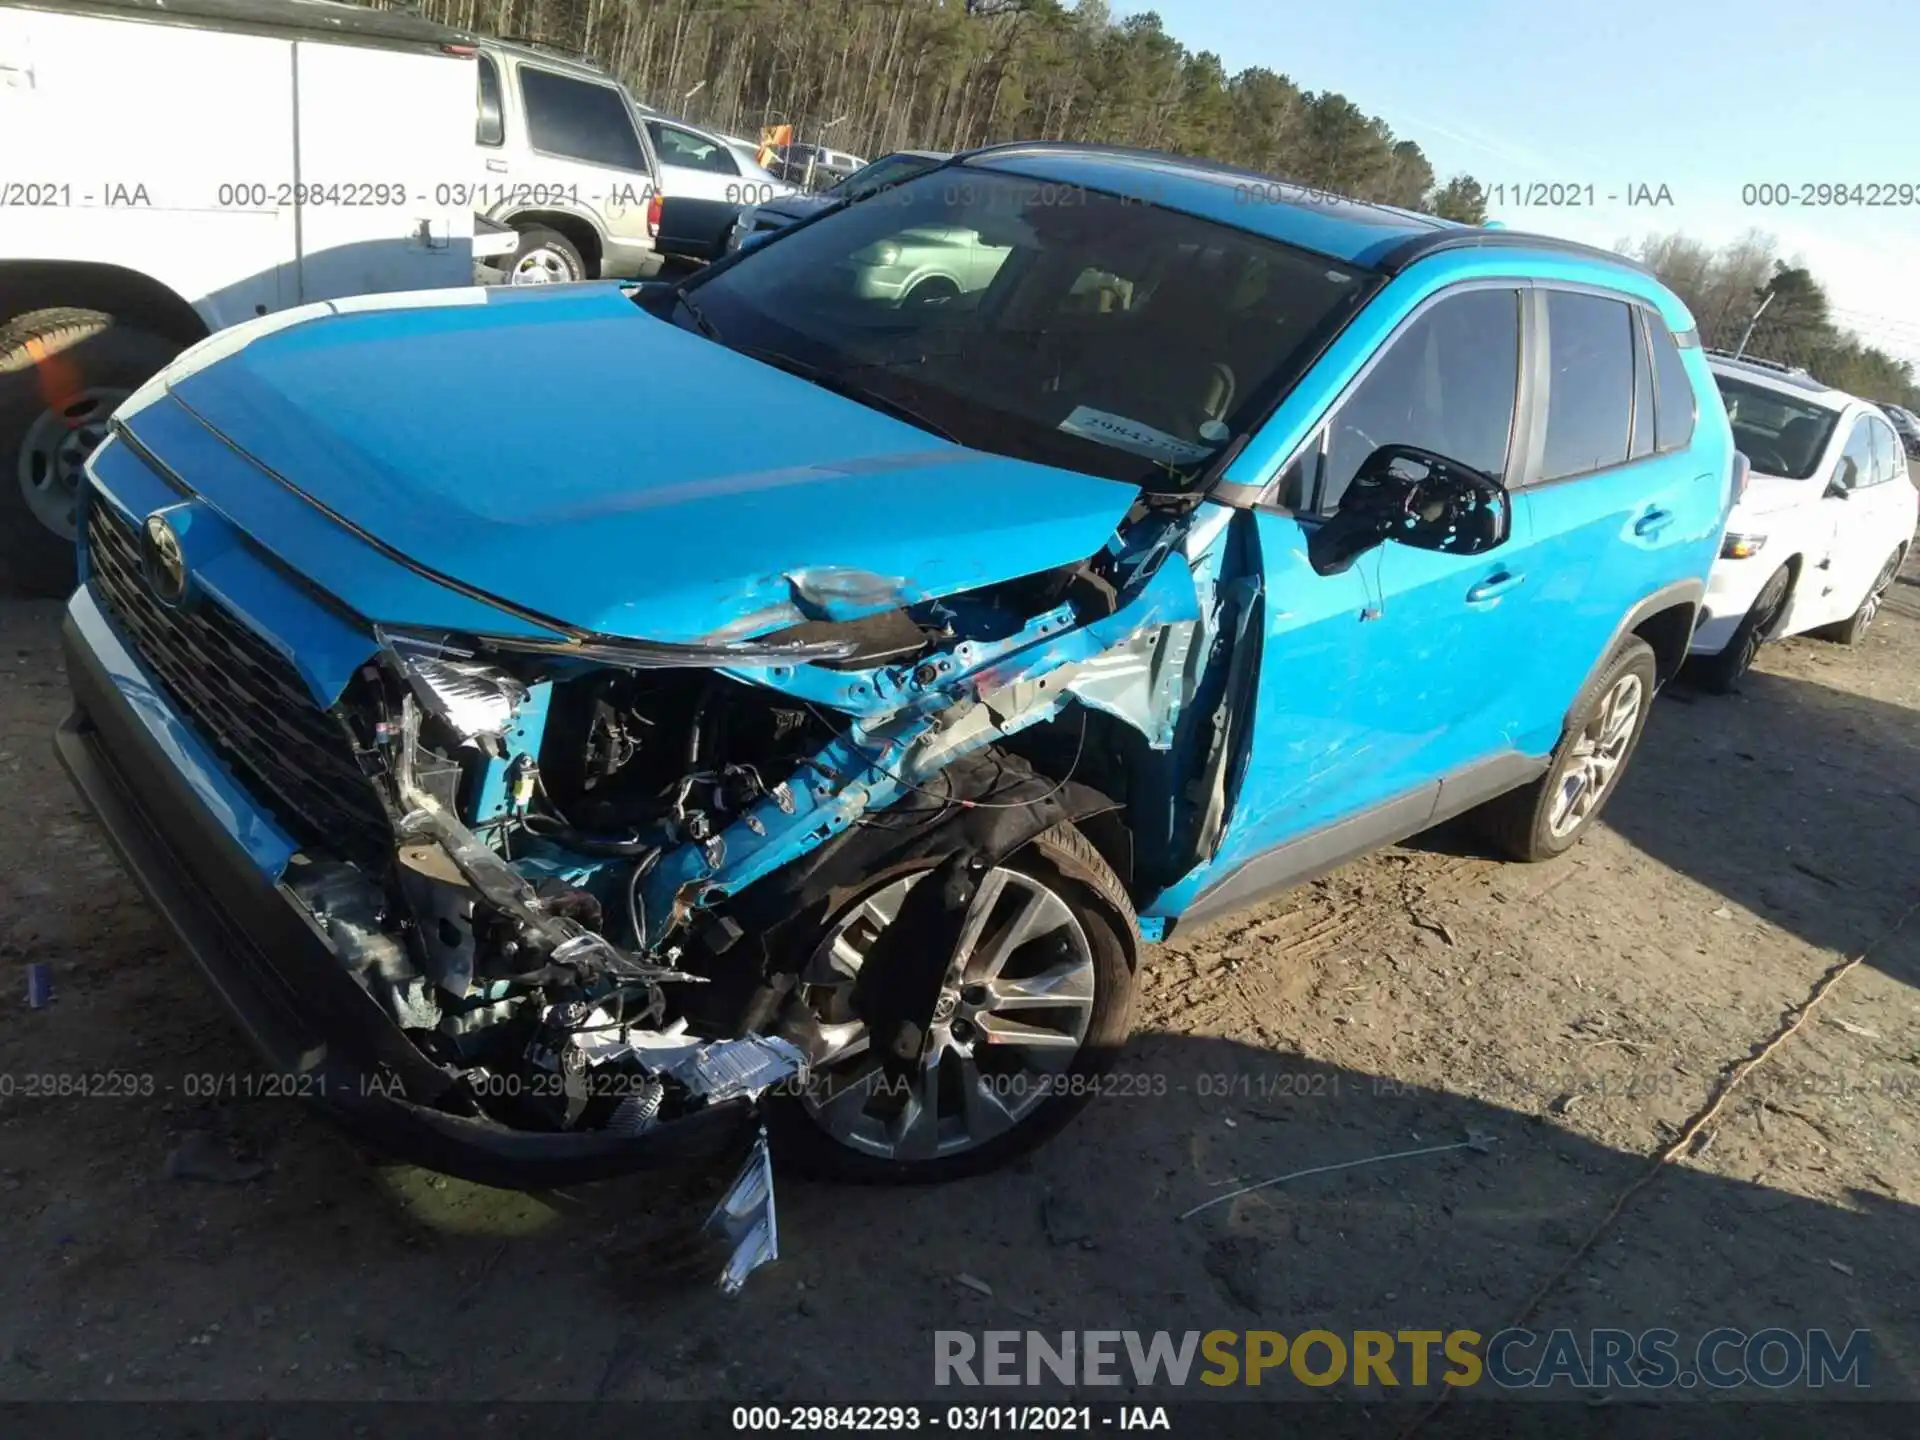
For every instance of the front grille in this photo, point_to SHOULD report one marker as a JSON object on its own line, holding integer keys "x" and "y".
{"x": 244, "y": 698}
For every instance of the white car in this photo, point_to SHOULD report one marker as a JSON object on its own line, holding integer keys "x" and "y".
{"x": 706, "y": 178}
{"x": 1821, "y": 528}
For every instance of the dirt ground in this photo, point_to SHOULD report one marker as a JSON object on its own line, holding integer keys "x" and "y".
{"x": 1574, "y": 1014}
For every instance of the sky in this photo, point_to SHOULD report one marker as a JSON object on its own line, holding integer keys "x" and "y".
{"x": 1704, "y": 97}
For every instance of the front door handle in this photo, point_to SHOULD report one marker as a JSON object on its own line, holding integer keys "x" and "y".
{"x": 499, "y": 167}
{"x": 1653, "y": 522}
{"x": 1494, "y": 586}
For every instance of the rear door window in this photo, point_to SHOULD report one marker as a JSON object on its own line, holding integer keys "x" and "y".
{"x": 1445, "y": 383}
{"x": 1590, "y": 395}
{"x": 580, "y": 120}
{"x": 690, "y": 151}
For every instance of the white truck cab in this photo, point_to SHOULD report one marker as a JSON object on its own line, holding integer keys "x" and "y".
{"x": 172, "y": 167}
{"x": 1822, "y": 526}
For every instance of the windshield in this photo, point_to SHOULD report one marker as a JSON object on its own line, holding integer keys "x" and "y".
{"x": 1039, "y": 320}
{"x": 1777, "y": 433}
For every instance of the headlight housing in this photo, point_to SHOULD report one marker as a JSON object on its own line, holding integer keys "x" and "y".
{"x": 1741, "y": 547}
{"x": 476, "y": 699}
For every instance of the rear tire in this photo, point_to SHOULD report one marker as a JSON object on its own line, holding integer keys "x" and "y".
{"x": 1853, "y": 630}
{"x": 1090, "y": 931}
{"x": 63, "y": 372}
{"x": 545, "y": 257}
{"x": 1548, "y": 817}
{"x": 1720, "y": 674}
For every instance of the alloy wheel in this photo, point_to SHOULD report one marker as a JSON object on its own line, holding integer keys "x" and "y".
{"x": 1870, "y": 606}
{"x": 541, "y": 266}
{"x": 53, "y": 456}
{"x": 1594, "y": 762}
{"x": 1012, "y": 1016}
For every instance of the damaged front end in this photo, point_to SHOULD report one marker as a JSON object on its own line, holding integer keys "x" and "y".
{"x": 577, "y": 909}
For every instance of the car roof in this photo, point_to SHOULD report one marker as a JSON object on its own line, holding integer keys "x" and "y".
{"x": 1783, "y": 379}
{"x": 1360, "y": 232}
{"x": 551, "y": 57}
{"x": 319, "y": 17}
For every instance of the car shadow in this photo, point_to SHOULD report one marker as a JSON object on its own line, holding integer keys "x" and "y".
{"x": 1794, "y": 799}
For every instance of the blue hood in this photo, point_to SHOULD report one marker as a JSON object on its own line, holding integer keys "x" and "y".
{"x": 567, "y": 453}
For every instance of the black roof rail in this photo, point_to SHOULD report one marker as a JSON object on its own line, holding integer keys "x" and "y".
{"x": 1780, "y": 365}
{"x": 1472, "y": 237}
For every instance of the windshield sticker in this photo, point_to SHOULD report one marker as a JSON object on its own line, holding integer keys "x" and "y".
{"x": 1125, "y": 434}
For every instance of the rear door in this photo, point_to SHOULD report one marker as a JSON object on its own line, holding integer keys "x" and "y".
{"x": 1619, "y": 505}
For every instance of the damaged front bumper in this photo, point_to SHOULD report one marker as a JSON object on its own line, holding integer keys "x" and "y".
{"x": 156, "y": 793}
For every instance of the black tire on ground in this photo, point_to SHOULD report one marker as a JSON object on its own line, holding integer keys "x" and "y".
{"x": 80, "y": 357}
{"x": 1720, "y": 674}
{"x": 1067, "y": 863}
{"x": 537, "y": 240}
{"x": 1853, "y": 629}
{"x": 1521, "y": 823}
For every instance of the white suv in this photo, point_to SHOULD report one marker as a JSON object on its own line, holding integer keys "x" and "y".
{"x": 564, "y": 163}
{"x": 1822, "y": 526}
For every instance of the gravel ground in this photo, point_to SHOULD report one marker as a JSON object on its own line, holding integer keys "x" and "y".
{"x": 1575, "y": 1015}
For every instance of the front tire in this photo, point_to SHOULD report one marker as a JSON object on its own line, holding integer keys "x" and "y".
{"x": 1016, "y": 1048}
{"x": 1853, "y": 630}
{"x": 63, "y": 372}
{"x": 1720, "y": 674}
{"x": 1548, "y": 817}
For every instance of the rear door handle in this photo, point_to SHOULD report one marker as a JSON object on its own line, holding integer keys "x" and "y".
{"x": 1494, "y": 586}
{"x": 1653, "y": 522}
{"x": 497, "y": 166}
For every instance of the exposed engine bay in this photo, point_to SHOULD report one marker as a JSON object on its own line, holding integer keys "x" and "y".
{"x": 593, "y": 846}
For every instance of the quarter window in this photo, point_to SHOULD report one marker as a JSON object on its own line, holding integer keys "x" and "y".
{"x": 1445, "y": 383}
{"x": 1590, "y": 394}
{"x": 580, "y": 120}
{"x": 1674, "y": 408}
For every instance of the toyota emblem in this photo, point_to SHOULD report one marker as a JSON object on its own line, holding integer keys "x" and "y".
{"x": 166, "y": 563}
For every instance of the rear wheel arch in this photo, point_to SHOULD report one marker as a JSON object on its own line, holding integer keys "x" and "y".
{"x": 130, "y": 297}
{"x": 581, "y": 232}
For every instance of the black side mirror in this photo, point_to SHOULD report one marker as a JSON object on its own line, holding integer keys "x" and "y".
{"x": 1414, "y": 497}
{"x": 1845, "y": 476}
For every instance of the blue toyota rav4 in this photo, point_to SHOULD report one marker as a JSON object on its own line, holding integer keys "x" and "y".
{"x": 580, "y": 728}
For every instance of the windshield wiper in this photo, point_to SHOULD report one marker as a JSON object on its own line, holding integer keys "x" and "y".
{"x": 827, "y": 380}
{"x": 694, "y": 313}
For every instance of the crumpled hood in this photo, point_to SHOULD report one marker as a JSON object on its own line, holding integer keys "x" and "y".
{"x": 567, "y": 453}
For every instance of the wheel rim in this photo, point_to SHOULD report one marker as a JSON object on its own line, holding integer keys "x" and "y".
{"x": 1870, "y": 606}
{"x": 53, "y": 456}
{"x": 1766, "y": 612}
{"x": 1594, "y": 763}
{"x": 1012, "y": 1016}
{"x": 542, "y": 266}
